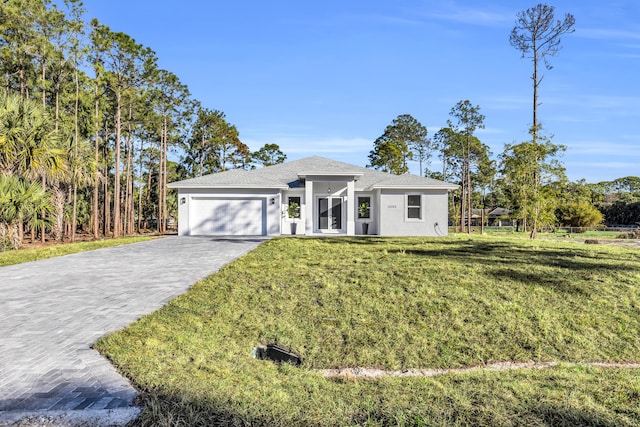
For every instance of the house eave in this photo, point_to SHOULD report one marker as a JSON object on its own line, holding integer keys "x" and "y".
{"x": 355, "y": 175}
{"x": 228, "y": 187}
{"x": 415, "y": 187}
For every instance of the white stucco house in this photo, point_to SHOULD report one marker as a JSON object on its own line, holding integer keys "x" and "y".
{"x": 328, "y": 193}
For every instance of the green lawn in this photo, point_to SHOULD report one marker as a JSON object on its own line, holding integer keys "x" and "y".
{"x": 26, "y": 255}
{"x": 396, "y": 304}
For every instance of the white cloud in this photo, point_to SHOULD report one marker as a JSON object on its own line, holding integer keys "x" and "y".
{"x": 389, "y": 20}
{"x": 607, "y": 34}
{"x": 312, "y": 145}
{"x": 600, "y": 171}
{"x": 608, "y": 165}
{"x": 453, "y": 12}
{"x": 604, "y": 148}
{"x": 509, "y": 103}
{"x": 608, "y": 102}
{"x": 490, "y": 131}
{"x": 629, "y": 55}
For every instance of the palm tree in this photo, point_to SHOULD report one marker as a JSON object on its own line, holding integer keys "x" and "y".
{"x": 29, "y": 144}
{"x": 20, "y": 202}
{"x": 28, "y": 141}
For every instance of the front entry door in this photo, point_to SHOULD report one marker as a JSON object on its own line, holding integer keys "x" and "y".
{"x": 330, "y": 213}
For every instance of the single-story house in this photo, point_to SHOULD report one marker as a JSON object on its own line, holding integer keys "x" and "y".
{"x": 500, "y": 217}
{"x": 332, "y": 198}
{"x": 478, "y": 216}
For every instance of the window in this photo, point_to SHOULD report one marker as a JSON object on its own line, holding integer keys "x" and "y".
{"x": 414, "y": 206}
{"x": 364, "y": 207}
{"x": 293, "y": 208}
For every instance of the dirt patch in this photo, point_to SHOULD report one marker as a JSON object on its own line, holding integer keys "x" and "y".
{"x": 373, "y": 373}
{"x": 619, "y": 242}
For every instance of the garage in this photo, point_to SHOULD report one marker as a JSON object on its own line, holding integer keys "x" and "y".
{"x": 216, "y": 216}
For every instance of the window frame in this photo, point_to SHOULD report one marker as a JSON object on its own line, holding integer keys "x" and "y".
{"x": 299, "y": 202}
{"x": 362, "y": 218}
{"x": 410, "y": 207}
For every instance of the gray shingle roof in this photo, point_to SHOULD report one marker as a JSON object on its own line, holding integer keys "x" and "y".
{"x": 287, "y": 175}
{"x": 499, "y": 212}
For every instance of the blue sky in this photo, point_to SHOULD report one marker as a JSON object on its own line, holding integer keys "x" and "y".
{"x": 326, "y": 77}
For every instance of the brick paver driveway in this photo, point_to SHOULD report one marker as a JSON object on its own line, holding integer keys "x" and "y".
{"x": 52, "y": 311}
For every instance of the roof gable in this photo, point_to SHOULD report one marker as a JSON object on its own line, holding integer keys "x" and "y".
{"x": 289, "y": 175}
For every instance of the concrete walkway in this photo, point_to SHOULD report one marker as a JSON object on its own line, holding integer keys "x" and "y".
{"x": 52, "y": 311}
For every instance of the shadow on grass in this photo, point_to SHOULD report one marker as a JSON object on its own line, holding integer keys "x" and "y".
{"x": 566, "y": 416}
{"x": 356, "y": 240}
{"x": 496, "y": 253}
{"x": 557, "y": 284}
{"x": 162, "y": 409}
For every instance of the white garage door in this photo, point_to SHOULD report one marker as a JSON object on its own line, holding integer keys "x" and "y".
{"x": 225, "y": 217}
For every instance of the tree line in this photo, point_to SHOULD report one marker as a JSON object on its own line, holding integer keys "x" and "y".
{"x": 527, "y": 178}
{"x": 87, "y": 122}
{"x": 506, "y": 181}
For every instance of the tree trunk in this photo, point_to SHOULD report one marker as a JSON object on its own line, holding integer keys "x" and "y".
{"x": 96, "y": 182}
{"x": 58, "y": 202}
{"x": 202, "y": 154}
{"x": 534, "y": 136}
{"x": 75, "y": 154}
{"x": 43, "y": 213}
{"x": 469, "y": 205}
{"x": 116, "y": 185}
{"x": 57, "y": 118}
{"x": 22, "y": 82}
{"x": 130, "y": 177}
{"x": 14, "y": 236}
{"x": 127, "y": 173}
{"x": 107, "y": 195}
{"x": 462, "y": 207}
{"x": 107, "y": 207}
{"x": 74, "y": 222}
{"x": 159, "y": 183}
{"x": 44, "y": 81}
{"x": 139, "y": 223}
{"x": 164, "y": 180}
{"x": 148, "y": 196}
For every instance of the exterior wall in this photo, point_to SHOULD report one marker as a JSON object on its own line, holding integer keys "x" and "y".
{"x": 392, "y": 214}
{"x": 271, "y": 197}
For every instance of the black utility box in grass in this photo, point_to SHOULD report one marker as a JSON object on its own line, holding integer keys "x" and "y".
{"x": 277, "y": 354}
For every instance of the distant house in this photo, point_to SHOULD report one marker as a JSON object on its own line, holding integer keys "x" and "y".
{"x": 500, "y": 217}
{"x": 478, "y": 216}
{"x": 334, "y": 198}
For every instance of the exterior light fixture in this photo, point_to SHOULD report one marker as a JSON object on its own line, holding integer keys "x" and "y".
{"x": 183, "y": 200}
{"x": 329, "y": 190}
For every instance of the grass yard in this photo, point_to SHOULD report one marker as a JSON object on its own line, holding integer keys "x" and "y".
{"x": 34, "y": 254}
{"x": 396, "y": 304}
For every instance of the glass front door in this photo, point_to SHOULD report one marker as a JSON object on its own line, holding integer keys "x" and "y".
{"x": 330, "y": 213}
